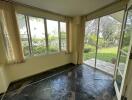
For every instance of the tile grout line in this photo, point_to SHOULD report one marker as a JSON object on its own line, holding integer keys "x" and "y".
{"x": 38, "y": 81}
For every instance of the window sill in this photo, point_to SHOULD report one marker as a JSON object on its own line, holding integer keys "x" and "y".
{"x": 47, "y": 54}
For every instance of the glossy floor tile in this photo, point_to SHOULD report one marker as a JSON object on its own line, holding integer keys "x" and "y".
{"x": 75, "y": 83}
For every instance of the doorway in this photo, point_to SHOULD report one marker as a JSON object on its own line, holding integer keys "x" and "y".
{"x": 102, "y": 37}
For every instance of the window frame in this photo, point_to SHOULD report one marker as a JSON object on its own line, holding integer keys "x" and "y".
{"x": 28, "y": 29}
{"x": 67, "y": 37}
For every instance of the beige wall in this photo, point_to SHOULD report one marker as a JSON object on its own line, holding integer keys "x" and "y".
{"x": 36, "y": 65}
{"x": 4, "y": 81}
{"x": 31, "y": 66}
{"x": 75, "y": 34}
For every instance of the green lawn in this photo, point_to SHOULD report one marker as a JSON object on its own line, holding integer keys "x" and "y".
{"x": 105, "y": 54}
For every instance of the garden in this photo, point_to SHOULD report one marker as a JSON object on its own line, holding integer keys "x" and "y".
{"x": 103, "y": 45}
{"x": 105, "y": 54}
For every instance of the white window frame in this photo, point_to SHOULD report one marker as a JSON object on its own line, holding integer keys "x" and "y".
{"x": 46, "y": 36}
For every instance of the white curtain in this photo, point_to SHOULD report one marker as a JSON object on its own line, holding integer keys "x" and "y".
{"x": 11, "y": 38}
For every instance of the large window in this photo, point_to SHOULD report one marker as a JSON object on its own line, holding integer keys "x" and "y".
{"x": 41, "y": 36}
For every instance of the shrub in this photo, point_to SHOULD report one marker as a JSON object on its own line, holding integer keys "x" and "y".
{"x": 86, "y": 50}
{"x": 53, "y": 49}
{"x": 125, "y": 48}
{"x": 89, "y": 48}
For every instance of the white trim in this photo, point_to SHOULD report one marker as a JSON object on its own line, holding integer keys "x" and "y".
{"x": 117, "y": 91}
{"x": 120, "y": 93}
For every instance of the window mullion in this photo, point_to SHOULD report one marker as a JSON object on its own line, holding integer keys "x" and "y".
{"x": 29, "y": 33}
{"x": 59, "y": 34}
{"x": 98, "y": 29}
{"x": 46, "y": 35}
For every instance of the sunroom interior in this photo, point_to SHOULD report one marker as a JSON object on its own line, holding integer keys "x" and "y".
{"x": 65, "y": 50}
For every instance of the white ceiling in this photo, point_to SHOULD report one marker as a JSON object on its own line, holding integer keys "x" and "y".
{"x": 68, "y": 7}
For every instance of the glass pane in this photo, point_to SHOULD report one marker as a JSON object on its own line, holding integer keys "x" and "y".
{"x": 38, "y": 35}
{"x": 118, "y": 79}
{"x": 23, "y": 34}
{"x": 108, "y": 42}
{"x": 63, "y": 36}
{"x": 109, "y": 35}
{"x": 122, "y": 62}
{"x": 53, "y": 37}
{"x": 128, "y": 32}
{"x": 90, "y": 40}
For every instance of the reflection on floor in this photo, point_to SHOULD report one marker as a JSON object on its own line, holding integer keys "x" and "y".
{"x": 74, "y": 83}
{"x": 101, "y": 65}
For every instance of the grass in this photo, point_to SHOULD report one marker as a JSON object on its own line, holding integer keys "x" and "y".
{"x": 105, "y": 54}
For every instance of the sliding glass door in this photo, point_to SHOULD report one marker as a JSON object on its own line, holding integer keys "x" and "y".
{"x": 102, "y": 36}
{"x": 108, "y": 42}
{"x": 90, "y": 41}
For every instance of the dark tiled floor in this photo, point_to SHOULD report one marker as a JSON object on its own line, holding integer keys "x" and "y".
{"x": 38, "y": 77}
{"x": 78, "y": 83}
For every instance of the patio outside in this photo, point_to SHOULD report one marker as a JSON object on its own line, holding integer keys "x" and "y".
{"x": 104, "y": 61}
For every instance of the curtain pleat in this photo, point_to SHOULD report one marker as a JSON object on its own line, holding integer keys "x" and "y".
{"x": 2, "y": 50}
{"x": 12, "y": 31}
